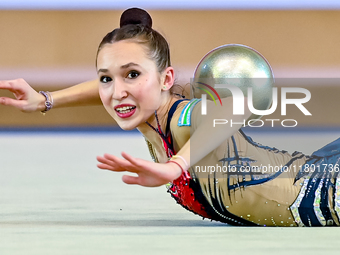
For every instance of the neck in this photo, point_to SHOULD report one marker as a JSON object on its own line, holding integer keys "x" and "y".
{"x": 162, "y": 114}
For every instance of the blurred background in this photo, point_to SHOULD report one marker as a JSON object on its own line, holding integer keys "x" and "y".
{"x": 55, "y": 201}
{"x": 53, "y": 44}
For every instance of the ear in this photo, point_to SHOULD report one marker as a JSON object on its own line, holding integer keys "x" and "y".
{"x": 168, "y": 78}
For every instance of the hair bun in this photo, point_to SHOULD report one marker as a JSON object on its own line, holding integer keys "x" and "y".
{"x": 135, "y": 16}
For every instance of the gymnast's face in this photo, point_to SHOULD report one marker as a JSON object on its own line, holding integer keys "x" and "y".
{"x": 131, "y": 88}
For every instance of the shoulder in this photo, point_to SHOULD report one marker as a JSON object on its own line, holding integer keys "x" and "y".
{"x": 183, "y": 114}
{"x": 181, "y": 121}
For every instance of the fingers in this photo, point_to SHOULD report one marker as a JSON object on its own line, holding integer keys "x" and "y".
{"x": 128, "y": 161}
{"x": 135, "y": 161}
{"x": 105, "y": 167}
{"x": 149, "y": 174}
{"x": 13, "y": 85}
{"x": 130, "y": 179}
{"x": 11, "y": 102}
{"x": 113, "y": 163}
{"x": 19, "y": 89}
{"x": 5, "y": 85}
{"x": 110, "y": 157}
{"x": 107, "y": 164}
{"x": 103, "y": 160}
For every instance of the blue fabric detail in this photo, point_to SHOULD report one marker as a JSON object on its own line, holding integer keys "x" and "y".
{"x": 185, "y": 117}
{"x": 330, "y": 149}
{"x": 250, "y": 140}
{"x": 320, "y": 167}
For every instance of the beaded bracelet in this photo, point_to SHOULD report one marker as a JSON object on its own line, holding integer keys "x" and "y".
{"x": 48, "y": 102}
{"x": 176, "y": 164}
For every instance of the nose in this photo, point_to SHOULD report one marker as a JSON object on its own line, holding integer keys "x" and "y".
{"x": 119, "y": 90}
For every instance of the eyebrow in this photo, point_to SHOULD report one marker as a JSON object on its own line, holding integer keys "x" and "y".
{"x": 104, "y": 70}
{"x": 128, "y": 65}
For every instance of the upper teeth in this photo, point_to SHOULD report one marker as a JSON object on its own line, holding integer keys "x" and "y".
{"x": 124, "y": 108}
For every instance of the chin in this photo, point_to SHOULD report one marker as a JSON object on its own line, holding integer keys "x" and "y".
{"x": 127, "y": 126}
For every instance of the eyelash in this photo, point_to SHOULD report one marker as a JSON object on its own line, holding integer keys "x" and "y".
{"x": 103, "y": 79}
{"x": 132, "y": 72}
{"x": 106, "y": 79}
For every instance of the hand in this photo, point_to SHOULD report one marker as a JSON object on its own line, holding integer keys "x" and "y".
{"x": 26, "y": 98}
{"x": 150, "y": 174}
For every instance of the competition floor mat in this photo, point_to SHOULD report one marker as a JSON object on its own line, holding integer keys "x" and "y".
{"x": 54, "y": 200}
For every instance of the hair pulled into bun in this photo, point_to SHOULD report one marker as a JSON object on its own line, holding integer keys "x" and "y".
{"x": 136, "y": 25}
{"x": 135, "y": 16}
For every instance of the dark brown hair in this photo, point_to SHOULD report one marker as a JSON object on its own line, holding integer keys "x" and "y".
{"x": 136, "y": 25}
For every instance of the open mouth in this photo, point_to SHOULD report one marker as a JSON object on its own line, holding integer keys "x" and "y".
{"x": 125, "y": 109}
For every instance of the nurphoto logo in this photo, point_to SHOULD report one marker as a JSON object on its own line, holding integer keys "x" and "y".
{"x": 239, "y": 102}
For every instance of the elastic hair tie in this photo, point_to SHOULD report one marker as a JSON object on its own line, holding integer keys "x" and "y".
{"x": 176, "y": 164}
{"x": 183, "y": 159}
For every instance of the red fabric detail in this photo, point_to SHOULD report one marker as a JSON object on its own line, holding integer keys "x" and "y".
{"x": 185, "y": 195}
{"x": 180, "y": 189}
{"x": 168, "y": 150}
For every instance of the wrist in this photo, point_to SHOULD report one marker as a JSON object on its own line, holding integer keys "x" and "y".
{"x": 48, "y": 102}
{"x": 181, "y": 160}
{"x": 178, "y": 167}
{"x": 41, "y": 103}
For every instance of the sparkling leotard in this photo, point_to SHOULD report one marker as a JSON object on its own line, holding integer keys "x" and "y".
{"x": 244, "y": 183}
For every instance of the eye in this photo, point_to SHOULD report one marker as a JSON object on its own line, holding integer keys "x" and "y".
{"x": 105, "y": 79}
{"x": 133, "y": 74}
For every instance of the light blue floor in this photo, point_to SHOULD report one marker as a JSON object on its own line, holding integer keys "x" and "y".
{"x": 54, "y": 200}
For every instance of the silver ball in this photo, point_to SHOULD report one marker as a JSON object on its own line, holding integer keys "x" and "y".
{"x": 236, "y": 65}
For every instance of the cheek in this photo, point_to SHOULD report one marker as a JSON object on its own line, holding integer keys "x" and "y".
{"x": 104, "y": 95}
{"x": 152, "y": 89}
{"x": 139, "y": 93}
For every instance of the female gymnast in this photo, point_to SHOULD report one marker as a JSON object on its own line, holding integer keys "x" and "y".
{"x": 134, "y": 84}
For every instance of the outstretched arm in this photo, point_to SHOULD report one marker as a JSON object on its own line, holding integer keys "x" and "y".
{"x": 149, "y": 174}
{"x": 205, "y": 139}
{"x": 28, "y": 100}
